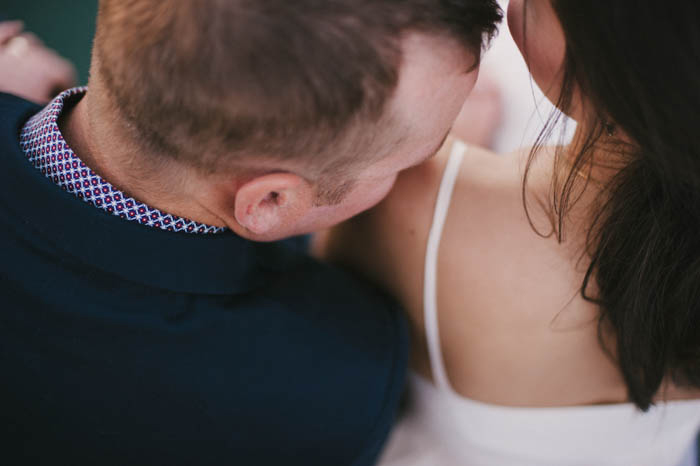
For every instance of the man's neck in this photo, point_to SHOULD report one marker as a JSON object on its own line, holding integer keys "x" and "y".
{"x": 110, "y": 156}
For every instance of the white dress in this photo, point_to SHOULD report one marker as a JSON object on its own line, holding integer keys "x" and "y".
{"x": 443, "y": 428}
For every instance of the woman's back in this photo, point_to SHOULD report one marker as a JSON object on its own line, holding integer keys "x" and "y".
{"x": 521, "y": 348}
{"x": 514, "y": 329}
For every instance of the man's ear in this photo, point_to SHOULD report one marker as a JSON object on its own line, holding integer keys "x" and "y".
{"x": 270, "y": 206}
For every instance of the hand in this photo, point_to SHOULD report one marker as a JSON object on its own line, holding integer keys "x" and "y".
{"x": 29, "y": 69}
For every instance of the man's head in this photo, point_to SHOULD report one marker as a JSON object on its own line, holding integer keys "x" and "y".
{"x": 298, "y": 114}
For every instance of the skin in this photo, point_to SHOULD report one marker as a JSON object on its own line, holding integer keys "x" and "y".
{"x": 540, "y": 38}
{"x": 269, "y": 200}
{"x": 514, "y": 329}
{"x": 28, "y": 69}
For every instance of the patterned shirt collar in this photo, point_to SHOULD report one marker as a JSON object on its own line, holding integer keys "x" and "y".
{"x": 42, "y": 142}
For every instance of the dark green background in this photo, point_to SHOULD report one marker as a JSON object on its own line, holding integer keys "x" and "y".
{"x": 66, "y": 26}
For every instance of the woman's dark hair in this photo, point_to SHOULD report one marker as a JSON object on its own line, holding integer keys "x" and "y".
{"x": 638, "y": 65}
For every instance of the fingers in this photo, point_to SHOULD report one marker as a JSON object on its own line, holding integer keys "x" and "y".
{"x": 9, "y": 29}
{"x": 30, "y": 69}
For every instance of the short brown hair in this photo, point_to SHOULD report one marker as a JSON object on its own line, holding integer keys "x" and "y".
{"x": 206, "y": 80}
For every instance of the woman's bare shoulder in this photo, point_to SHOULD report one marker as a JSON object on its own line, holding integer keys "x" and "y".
{"x": 407, "y": 213}
{"x": 489, "y": 191}
{"x": 487, "y": 181}
{"x": 493, "y": 191}
{"x": 388, "y": 242}
{"x": 481, "y": 170}
{"x": 501, "y": 173}
{"x": 493, "y": 243}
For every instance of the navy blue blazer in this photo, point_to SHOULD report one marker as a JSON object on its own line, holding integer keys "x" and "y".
{"x": 122, "y": 344}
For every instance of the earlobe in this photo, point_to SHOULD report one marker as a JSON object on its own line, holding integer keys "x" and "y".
{"x": 269, "y": 206}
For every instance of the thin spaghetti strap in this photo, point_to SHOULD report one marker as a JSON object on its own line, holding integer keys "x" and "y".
{"x": 430, "y": 314}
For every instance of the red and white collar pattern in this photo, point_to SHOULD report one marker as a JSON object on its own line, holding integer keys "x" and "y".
{"x": 42, "y": 142}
